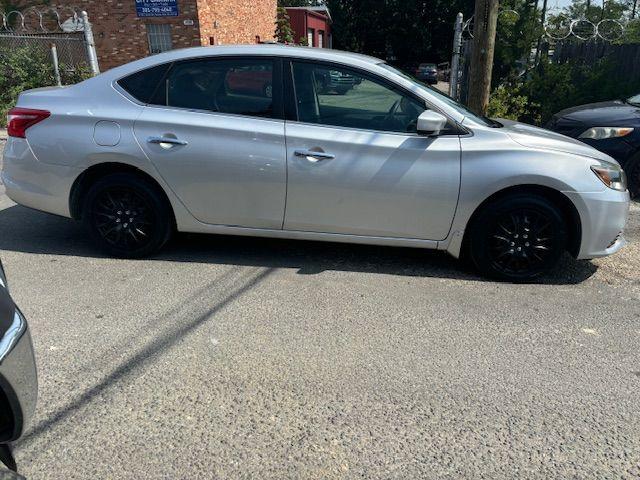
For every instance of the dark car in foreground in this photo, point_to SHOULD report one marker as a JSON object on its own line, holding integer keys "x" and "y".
{"x": 428, "y": 73}
{"x": 611, "y": 127}
{"x": 18, "y": 381}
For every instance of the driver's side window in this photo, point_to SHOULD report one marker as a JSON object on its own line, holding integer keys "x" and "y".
{"x": 341, "y": 97}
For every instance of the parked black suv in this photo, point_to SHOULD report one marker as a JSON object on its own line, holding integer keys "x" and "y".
{"x": 611, "y": 127}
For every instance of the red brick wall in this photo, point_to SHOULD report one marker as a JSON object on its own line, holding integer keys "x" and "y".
{"x": 236, "y": 21}
{"x": 121, "y": 36}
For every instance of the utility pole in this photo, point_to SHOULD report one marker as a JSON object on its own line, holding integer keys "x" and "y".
{"x": 485, "y": 21}
{"x": 633, "y": 12}
{"x": 455, "y": 59}
{"x": 543, "y": 18}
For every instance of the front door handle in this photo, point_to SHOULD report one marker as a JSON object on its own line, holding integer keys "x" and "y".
{"x": 314, "y": 156}
{"x": 167, "y": 140}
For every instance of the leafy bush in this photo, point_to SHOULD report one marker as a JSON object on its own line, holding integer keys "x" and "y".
{"x": 552, "y": 87}
{"x": 509, "y": 102}
{"x": 25, "y": 68}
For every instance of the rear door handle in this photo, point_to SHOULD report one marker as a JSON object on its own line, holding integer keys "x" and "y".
{"x": 314, "y": 156}
{"x": 168, "y": 140}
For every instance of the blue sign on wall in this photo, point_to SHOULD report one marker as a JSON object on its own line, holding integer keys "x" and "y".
{"x": 157, "y": 8}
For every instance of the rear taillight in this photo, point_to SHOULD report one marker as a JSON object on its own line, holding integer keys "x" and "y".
{"x": 19, "y": 119}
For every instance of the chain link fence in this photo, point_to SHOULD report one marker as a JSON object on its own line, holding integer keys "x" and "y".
{"x": 564, "y": 39}
{"x": 47, "y": 32}
{"x": 71, "y": 47}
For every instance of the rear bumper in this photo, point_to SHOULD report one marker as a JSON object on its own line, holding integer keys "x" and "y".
{"x": 603, "y": 217}
{"x": 18, "y": 375}
{"x": 34, "y": 184}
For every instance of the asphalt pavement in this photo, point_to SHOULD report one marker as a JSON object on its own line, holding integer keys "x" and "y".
{"x": 228, "y": 357}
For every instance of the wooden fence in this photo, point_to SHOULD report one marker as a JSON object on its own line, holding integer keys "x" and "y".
{"x": 625, "y": 59}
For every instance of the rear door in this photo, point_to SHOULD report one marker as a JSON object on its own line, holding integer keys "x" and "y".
{"x": 217, "y": 143}
{"x": 356, "y": 164}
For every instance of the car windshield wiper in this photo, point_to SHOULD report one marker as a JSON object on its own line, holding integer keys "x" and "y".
{"x": 492, "y": 123}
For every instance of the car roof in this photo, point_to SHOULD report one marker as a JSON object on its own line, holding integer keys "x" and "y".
{"x": 355, "y": 60}
{"x": 326, "y": 54}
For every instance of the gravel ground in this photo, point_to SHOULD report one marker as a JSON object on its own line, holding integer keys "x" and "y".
{"x": 233, "y": 357}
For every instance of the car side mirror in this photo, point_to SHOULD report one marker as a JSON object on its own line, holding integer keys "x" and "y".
{"x": 431, "y": 123}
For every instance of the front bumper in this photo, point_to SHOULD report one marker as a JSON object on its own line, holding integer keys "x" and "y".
{"x": 18, "y": 375}
{"x": 603, "y": 217}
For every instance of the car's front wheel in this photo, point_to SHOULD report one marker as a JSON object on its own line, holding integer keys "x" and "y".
{"x": 127, "y": 216}
{"x": 633, "y": 176}
{"x": 517, "y": 238}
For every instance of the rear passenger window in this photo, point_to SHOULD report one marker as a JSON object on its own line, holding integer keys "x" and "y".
{"x": 238, "y": 86}
{"x": 141, "y": 85}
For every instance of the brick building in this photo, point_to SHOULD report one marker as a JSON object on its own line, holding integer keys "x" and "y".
{"x": 313, "y": 24}
{"x": 126, "y": 30}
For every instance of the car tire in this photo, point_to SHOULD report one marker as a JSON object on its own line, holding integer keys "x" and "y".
{"x": 127, "y": 216}
{"x": 517, "y": 238}
{"x": 632, "y": 169}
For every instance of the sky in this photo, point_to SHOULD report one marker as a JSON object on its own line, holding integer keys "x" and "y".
{"x": 559, "y": 3}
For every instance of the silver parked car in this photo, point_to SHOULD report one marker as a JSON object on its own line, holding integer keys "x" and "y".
{"x": 180, "y": 141}
{"x": 18, "y": 381}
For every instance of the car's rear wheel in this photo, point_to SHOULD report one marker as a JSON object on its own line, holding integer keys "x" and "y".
{"x": 517, "y": 238}
{"x": 127, "y": 216}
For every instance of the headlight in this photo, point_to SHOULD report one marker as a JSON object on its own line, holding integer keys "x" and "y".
{"x": 599, "y": 133}
{"x": 611, "y": 175}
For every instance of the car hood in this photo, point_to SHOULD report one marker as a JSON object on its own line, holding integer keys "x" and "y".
{"x": 614, "y": 113}
{"x": 535, "y": 137}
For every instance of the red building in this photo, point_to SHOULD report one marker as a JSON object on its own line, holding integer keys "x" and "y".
{"x": 312, "y": 23}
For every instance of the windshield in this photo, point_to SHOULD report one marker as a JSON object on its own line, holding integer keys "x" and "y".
{"x": 444, "y": 98}
{"x": 635, "y": 100}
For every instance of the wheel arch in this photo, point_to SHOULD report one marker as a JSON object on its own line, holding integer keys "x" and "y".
{"x": 84, "y": 181}
{"x": 565, "y": 205}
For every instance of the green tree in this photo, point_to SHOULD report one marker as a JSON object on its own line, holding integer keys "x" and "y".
{"x": 284, "y": 32}
{"x": 518, "y": 31}
{"x": 406, "y": 32}
{"x": 29, "y": 67}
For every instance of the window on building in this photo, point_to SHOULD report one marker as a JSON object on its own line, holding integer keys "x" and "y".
{"x": 239, "y": 86}
{"x": 320, "y": 39}
{"x": 328, "y": 95}
{"x": 311, "y": 37}
{"x": 159, "y": 35}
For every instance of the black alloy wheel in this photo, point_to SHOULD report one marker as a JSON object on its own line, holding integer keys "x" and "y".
{"x": 127, "y": 216}
{"x": 518, "y": 238}
{"x": 122, "y": 217}
{"x": 521, "y": 241}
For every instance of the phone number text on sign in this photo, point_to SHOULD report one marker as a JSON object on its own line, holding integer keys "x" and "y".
{"x": 157, "y": 8}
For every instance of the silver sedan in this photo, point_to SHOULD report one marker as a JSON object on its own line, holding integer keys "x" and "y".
{"x": 257, "y": 140}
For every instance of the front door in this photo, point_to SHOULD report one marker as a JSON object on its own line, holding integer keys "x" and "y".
{"x": 356, "y": 164}
{"x": 215, "y": 135}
